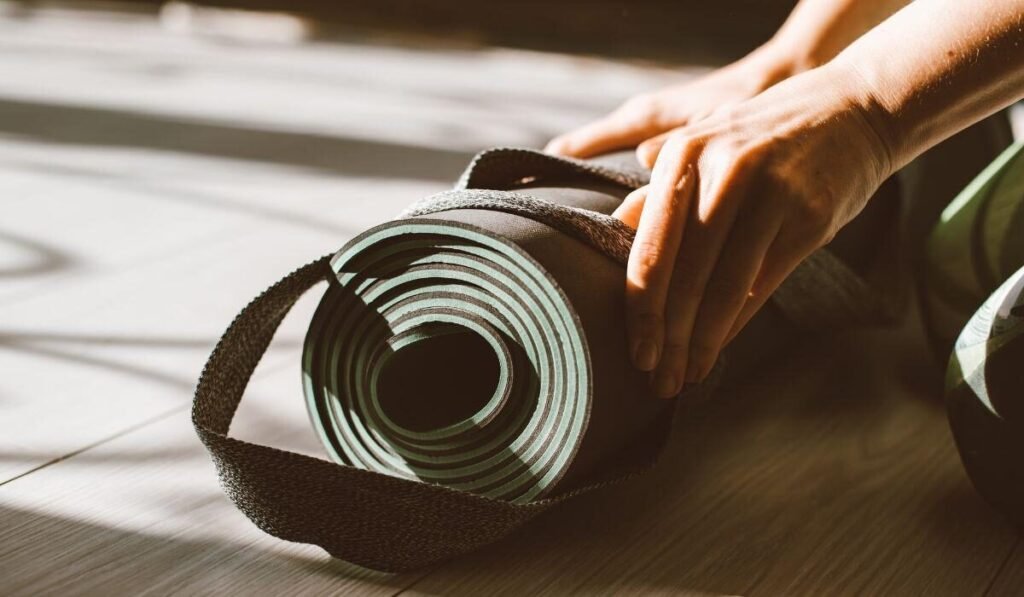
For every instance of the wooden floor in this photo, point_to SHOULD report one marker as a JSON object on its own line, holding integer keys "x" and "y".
{"x": 151, "y": 183}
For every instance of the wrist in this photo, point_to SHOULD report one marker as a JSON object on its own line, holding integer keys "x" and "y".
{"x": 869, "y": 109}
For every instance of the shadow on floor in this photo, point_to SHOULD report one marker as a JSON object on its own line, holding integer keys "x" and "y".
{"x": 58, "y": 348}
{"x": 102, "y": 127}
{"x": 43, "y": 259}
{"x": 170, "y": 190}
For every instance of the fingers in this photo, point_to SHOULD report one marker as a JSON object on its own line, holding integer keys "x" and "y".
{"x": 728, "y": 290}
{"x": 615, "y": 131}
{"x": 698, "y": 255}
{"x": 780, "y": 260}
{"x": 653, "y": 255}
{"x": 632, "y": 206}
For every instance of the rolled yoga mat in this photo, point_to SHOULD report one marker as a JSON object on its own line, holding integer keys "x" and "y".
{"x": 985, "y": 397}
{"x": 467, "y": 368}
{"x": 976, "y": 245}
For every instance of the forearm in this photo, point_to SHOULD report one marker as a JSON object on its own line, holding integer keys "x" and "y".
{"x": 936, "y": 67}
{"x": 818, "y": 30}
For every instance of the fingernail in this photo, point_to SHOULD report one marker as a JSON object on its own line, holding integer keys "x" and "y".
{"x": 643, "y": 155}
{"x": 555, "y": 147}
{"x": 645, "y": 355}
{"x": 666, "y": 384}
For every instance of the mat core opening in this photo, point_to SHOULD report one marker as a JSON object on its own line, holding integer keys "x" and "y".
{"x": 439, "y": 380}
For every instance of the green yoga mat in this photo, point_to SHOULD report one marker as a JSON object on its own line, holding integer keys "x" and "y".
{"x": 975, "y": 256}
{"x": 467, "y": 368}
{"x": 977, "y": 244}
{"x": 985, "y": 397}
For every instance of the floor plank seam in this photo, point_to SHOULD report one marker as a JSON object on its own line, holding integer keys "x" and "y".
{"x": 281, "y": 363}
{"x": 154, "y": 419}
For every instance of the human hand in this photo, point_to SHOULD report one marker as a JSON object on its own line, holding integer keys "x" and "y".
{"x": 647, "y": 115}
{"x": 736, "y": 201}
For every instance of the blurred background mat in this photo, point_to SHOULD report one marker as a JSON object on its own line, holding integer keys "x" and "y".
{"x": 162, "y": 163}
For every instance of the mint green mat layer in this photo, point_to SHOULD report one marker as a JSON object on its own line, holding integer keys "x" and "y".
{"x": 467, "y": 368}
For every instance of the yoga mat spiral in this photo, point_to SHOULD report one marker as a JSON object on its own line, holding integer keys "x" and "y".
{"x": 412, "y": 297}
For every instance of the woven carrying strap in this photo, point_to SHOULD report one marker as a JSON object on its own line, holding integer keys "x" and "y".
{"x": 393, "y": 524}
